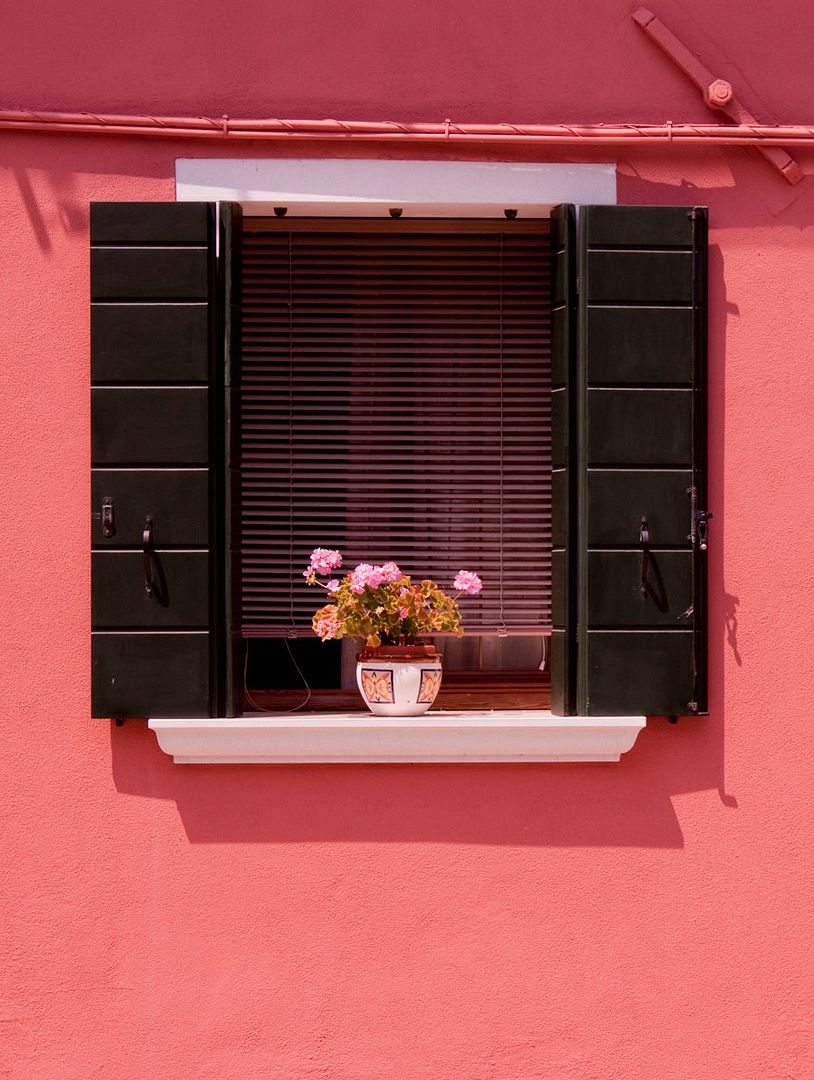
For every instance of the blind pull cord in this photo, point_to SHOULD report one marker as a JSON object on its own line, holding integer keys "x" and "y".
{"x": 502, "y": 630}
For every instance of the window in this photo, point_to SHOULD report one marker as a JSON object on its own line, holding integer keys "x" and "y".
{"x": 394, "y": 395}
{"x": 628, "y": 479}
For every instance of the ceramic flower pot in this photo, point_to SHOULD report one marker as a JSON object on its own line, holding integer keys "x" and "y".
{"x": 399, "y": 680}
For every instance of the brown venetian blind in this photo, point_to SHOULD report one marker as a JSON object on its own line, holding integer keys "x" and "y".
{"x": 395, "y": 385}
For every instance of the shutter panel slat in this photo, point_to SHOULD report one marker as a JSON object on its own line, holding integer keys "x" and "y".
{"x": 631, "y": 673}
{"x": 669, "y": 590}
{"x": 639, "y": 351}
{"x": 181, "y": 599}
{"x": 147, "y": 224}
{"x": 140, "y": 675}
{"x": 150, "y": 426}
{"x": 150, "y": 343}
{"x": 384, "y": 382}
{"x": 132, "y": 273}
{"x": 177, "y": 501}
{"x": 626, "y": 277}
{"x": 660, "y": 496}
{"x": 639, "y": 427}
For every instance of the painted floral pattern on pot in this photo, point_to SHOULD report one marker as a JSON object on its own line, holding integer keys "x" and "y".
{"x": 430, "y": 685}
{"x": 377, "y": 686}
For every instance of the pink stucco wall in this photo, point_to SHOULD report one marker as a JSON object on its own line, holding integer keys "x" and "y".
{"x": 649, "y": 920}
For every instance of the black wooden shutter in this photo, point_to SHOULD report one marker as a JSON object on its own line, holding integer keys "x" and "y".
{"x": 158, "y": 450}
{"x": 633, "y": 449}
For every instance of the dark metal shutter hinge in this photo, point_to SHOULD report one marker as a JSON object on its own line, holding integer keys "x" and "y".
{"x": 702, "y": 528}
{"x": 699, "y": 521}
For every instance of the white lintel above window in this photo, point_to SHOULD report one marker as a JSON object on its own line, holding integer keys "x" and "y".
{"x": 371, "y": 187}
{"x": 509, "y": 736}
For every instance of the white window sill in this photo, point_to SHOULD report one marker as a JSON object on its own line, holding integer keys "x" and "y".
{"x": 523, "y": 735}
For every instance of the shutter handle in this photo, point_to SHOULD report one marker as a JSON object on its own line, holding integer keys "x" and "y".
{"x": 108, "y": 518}
{"x": 147, "y": 545}
{"x": 644, "y": 540}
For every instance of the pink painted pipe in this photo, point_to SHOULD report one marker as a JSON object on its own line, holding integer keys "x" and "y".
{"x": 387, "y": 131}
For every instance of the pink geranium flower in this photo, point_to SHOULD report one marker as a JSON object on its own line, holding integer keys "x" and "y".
{"x": 360, "y": 578}
{"x": 366, "y": 576}
{"x": 326, "y": 623}
{"x": 323, "y": 561}
{"x": 466, "y": 581}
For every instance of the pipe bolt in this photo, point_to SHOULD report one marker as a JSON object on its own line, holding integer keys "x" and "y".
{"x": 718, "y": 93}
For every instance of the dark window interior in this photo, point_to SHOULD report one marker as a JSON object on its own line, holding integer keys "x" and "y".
{"x": 395, "y": 382}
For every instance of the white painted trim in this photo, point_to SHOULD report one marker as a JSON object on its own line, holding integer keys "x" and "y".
{"x": 531, "y": 735}
{"x": 370, "y": 187}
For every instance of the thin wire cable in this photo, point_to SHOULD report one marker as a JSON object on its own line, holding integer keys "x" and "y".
{"x": 275, "y": 712}
{"x": 292, "y": 631}
{"x": 501, "y": 625}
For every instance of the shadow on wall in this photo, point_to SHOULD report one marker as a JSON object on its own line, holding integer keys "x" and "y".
{"x": 46, "y": 184}
{"x": 55, "y": 189}
{"x": 601, "y": 805}
{"x": 753, "y": 193}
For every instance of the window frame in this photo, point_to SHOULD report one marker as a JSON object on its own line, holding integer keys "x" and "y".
{"x": 524, "y": 695}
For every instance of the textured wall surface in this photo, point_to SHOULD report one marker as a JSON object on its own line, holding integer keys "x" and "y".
{"x": 650, "y": 920}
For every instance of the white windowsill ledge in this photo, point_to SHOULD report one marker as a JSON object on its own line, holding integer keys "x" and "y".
{"x": 531, "y": 735}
